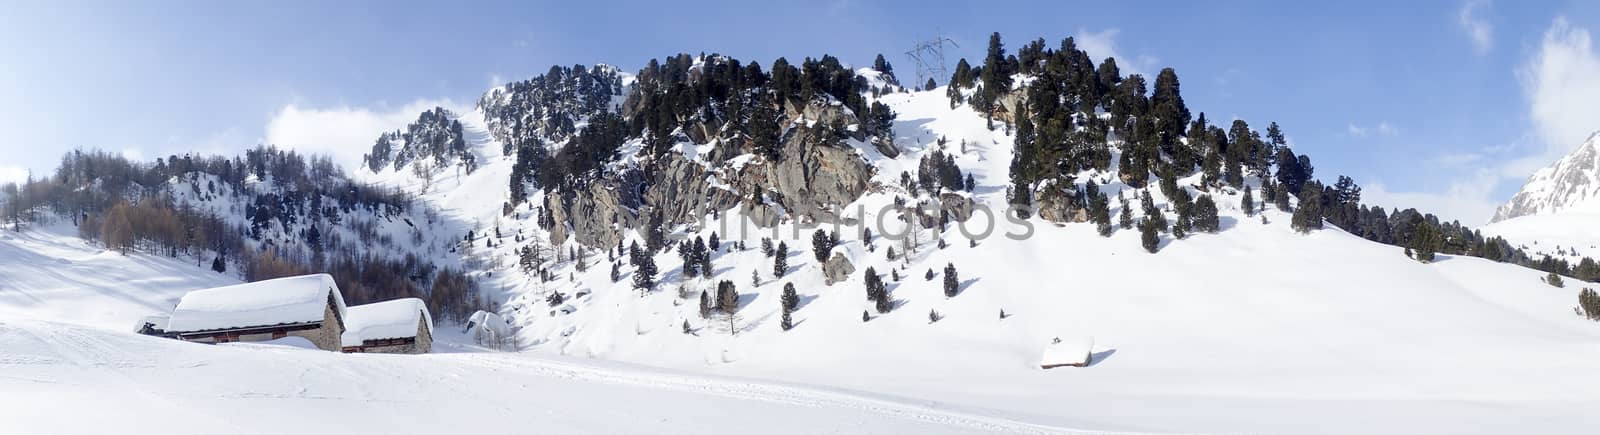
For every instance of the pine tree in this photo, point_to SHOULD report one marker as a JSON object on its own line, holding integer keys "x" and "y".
{"x": 1148, "y": 237}
{"x": 715, "y": 242}
{"x": 766, "y": 246}
{"x": 1125, "y": 217}
{"x": 705, "y": 305}
{"x": 791, "y": 299}
{"x": 996, "y": 75}
{"x": 1424, "y": 242}
{"x": 780, "y": 262}
{"x": 951, "y": 283}
{"x": 755, "y": 278}
{"x": 1554, "y": 280}
{"x": 821, "y": 245}
{"x": 1151, "y": 213}
{"x": 1309, "y": 215}
{"x": 930, "y": 85}
{"x": 1247, "y": 203}
{"x": 219, "y": 265}
{"x": 727, "y": 297}
{"x": 644, "y": 276}
{"x": 1205, "y": 214}
{"x": 616, "y": 271}
{"x": 871, "y": 281}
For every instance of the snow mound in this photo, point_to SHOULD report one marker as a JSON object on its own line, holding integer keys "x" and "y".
{"x": 290, "y": 342}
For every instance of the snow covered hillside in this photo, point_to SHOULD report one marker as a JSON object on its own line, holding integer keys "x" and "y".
{"x": 67, "y": 311}
{"x": 621, "y": 223}
{"x": 1255, "y": 328}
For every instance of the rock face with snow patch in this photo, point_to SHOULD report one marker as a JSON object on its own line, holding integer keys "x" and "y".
{"x": 815, "y": 178}
{"x": 837, "y": 268}
{"x": 1571, "y": 184}
{"x": 817, "y": 174}
{"x": 1057, "y": 205}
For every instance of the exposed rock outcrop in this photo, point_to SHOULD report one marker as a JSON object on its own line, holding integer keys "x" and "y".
{"x": 816, "y": 176}
{"x": 1057, "y": 205}
{"x": 837, "y": 268}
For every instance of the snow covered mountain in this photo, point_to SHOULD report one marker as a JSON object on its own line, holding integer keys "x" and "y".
{"x": 1557, "y": 212}
{"x": 620, "y": 221}
{"x": 1570, "y": 185}
{"x": 1247, "y": 318}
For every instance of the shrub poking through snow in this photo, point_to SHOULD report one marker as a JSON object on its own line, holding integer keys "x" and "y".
{"x": 1589, "y": 304}
{"x": 1554, "y": 280}
{"x": 934, "y": 316}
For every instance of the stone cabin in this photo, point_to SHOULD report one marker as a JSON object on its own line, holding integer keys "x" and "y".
{"x": 393, "y": 326}
{"x": 307, "y": 306}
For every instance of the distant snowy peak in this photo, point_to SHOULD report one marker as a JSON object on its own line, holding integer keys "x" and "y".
{"x": 1572, "y": 184}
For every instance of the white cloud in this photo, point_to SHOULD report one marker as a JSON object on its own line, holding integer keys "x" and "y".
{"x": 344, "y": 133}
{"x": 1103, "y": 44}
{"x": 1476, "y": 27}
{"x": 1382, "y": 128}
{"x": 12, "y": 174}
{"x": 1387, "y": 130}
{"x": 1468, "y": 201}
{"x": 1562, "y": 84}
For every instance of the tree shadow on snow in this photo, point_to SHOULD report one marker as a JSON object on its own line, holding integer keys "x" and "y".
{"x": 804, "y": 301}
{"x": 964, "y": 285}
{"x": 1225, "y": 223}
{"x": 746, "y": 298}
{"x": 1096, "y": 357}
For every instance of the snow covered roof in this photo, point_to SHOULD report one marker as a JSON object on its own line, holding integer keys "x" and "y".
{"x": 388, "y": 319}
{"x": 282, "y": 301}
{"x": 1071, "y": 351}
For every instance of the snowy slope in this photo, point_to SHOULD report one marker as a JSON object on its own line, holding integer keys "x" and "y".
{"x": 1567, "y": 235}
{"x": 49, "y": 273}
{"x": 1256, "y": 328}
{"x": 143, "y": 385}
{"x": 1253, "y": 329}
{"x": 66, "y": 310}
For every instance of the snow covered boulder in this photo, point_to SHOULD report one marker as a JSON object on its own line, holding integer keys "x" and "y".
{"x": 1070, "y": 352}
{"x": 489, "y": 329}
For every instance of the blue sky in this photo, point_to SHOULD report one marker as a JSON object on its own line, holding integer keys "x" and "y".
{"x": 1442, "y": 105}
